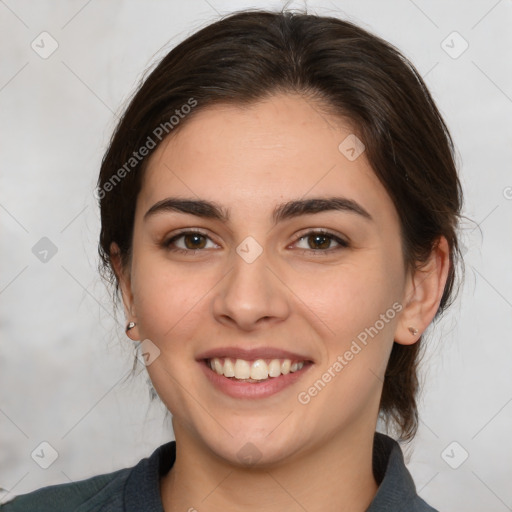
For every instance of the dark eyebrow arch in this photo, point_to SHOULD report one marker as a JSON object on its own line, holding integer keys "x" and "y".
{"x": 197, "y": 207}
{"x": 288, "y": 210}
{"x": 316, "y": 205}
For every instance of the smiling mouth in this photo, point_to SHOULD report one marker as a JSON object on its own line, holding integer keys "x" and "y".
{"x": 259, "y": 370}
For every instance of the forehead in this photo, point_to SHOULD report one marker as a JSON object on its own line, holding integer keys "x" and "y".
{"x": 251, "y": 157}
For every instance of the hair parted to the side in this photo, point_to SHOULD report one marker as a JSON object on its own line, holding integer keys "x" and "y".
{"x": 345, "y": 72}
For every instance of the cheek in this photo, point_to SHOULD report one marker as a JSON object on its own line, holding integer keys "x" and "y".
{"x": 357, "y": 303}
{"x": 348, "y": 298}
{"x": 167, "y": 298}
{"x": 170, "y": 305}
{"x": 358, "y": 306}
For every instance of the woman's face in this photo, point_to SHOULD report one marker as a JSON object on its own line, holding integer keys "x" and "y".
{"x": 263, "y": 279}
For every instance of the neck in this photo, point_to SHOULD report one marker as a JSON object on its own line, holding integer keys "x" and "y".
{"x": 332, "y": 475}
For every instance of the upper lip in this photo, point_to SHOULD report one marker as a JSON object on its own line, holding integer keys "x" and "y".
{"x": 252, "y": 354}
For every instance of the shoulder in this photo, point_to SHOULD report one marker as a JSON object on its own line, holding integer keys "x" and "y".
{"x": 82, "y": 496}
{"x": 133, "y": 489}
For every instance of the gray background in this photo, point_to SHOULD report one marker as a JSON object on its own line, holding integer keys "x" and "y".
{"x": 64, "y": 357}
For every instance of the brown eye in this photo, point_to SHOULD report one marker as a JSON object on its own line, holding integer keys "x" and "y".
{"x": 189, "y": 242}
{"x": 322, "y": 242}
{"x": 194, "y": 241}
{"x": 319, "y": 241}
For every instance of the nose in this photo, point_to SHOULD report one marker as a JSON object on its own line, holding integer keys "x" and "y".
{"x": 251, "y": 295}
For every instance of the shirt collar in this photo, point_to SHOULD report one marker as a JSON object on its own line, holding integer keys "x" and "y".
{"x": 396, "y": 490}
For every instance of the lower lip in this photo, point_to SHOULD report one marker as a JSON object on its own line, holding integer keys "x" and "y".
{"x": 238, "y": 389}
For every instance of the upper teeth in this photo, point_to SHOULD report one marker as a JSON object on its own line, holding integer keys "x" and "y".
{"x": 257, "y": 370}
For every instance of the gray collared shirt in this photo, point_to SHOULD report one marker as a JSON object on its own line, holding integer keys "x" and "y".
{"x": 137, "y": 489}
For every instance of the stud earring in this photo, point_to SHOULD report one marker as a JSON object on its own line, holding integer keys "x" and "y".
{"x": 413, "y": 331}
{"x": 130, "y": 326}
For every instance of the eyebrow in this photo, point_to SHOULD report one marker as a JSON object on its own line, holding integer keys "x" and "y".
{"x": 284, "y": 211}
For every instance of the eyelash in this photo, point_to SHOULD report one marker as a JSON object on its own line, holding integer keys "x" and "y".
{"x": 343, "y": 244}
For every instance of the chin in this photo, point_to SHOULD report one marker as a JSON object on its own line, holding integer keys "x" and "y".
{"x": 254, "y": 448}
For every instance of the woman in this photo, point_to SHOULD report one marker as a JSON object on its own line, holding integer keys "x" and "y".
{"x": 279, "y": 206}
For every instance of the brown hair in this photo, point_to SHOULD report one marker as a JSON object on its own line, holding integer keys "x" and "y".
{"x": 347, "y": 72}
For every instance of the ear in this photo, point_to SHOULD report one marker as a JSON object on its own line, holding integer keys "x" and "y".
{"x": 423, "y": 292}
{"x": 124, "y": 279}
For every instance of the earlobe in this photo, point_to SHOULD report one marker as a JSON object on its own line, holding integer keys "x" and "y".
{"x": 423, "y": 292}
{"x": 123, "y": 278}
